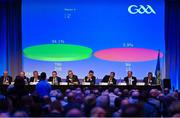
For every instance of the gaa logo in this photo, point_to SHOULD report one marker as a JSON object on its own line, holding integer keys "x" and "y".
{"x": 134, "y": 9}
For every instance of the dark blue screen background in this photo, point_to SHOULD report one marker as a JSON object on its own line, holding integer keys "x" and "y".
{"x": 98, "y": 24}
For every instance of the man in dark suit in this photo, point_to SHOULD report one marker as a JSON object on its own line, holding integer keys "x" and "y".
{"x": 71, "y": 78}
{"x": 54, "y": 78}
{"x": 130, "y": 80}
{"x": 35, "y": 77}
{"x": 149, "y": 80}
{"x": 5, "y": 79}
{"x": 110, "y": 79}
{"x": 22, "y": 75}
{"x": 90, "y": 78}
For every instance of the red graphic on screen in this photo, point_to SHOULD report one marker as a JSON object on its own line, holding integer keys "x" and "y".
{"x": 128, "y": 54}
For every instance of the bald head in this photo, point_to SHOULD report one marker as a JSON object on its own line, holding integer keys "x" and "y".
{"x": 116, "y": 90}
{"x": 153, "y": 93}
{"x": 103, "y": 101}
{"x": 71, "y": 97}
{"x": 74, "y": 113}
{"x": 124, "y": 103}
{"x": 90, "y": 100}
{"x": 98, "y": 112}
{"x": 22, "y": 74}
{"x": 5, "y": 73}
{"x": 135, "y": 94}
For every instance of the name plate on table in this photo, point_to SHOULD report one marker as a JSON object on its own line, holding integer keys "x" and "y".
{"x": 140, "y": 83}
{"x": 50, "y": 83}
{"x": 63, "y": 83}
{"x": 33, "y": 83}
{"x": 103, "y": 83}
{"x": 122, "y": 84}
{"x": 12, "y": 83}
{"x": 86, "y": 83}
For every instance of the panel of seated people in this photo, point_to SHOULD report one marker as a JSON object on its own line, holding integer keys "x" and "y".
{"x": 72, "y": 79}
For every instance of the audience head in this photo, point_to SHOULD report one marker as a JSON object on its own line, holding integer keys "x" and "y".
{"x": 174, "y": 108}
{"x": 132, "y": 110}
{"x": 3, "y": 104}
{"x": 74, "y": 113}
{"x": 20, "y": 114}
{"x": 56, "y": 106}
{"x": 135, "y": 96}
{"x": 78, "y": 89}
{"x": 4, "y": 115}
{"x": 117, "y": 102}
{"x": 175, "y": 94}
{"x": 43, "y": 76}
{"x": 116, "y": 91}
{"x": 79, "y": 96}
{"x": 169, "y": 99}
{"x": 89, "y": 103}
{"x": 124, "y": 103}
{"x": 96, "y": 92}
{"x": 47, "y": 100}
{"x": 68, "y": 91}
{"x": 27, "y": 101}
{"x": 103, "y": 101}
{"x": 166, "y": 91}
{"x": 71, "y": 97}
{"x": 125, "y": 93}
{"x": 98, "y": 112}
{"x": 87, "y": 92}
{"x": 153, "y": 93}
{"x": 59, "y": 96}
{"x": 176, "y": 115}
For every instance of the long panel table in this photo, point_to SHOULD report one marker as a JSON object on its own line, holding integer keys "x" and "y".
{"x": 63, "y": 88}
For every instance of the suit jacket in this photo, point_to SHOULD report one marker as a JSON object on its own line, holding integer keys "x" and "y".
{"x": 145, "y": 80}
{"x": 134, "y": 80}
{"x": 26, "y": 79}
{"x": 51, "y": 79}
{"x": 2, "y": 79}
{"x": 93, "y": 81}
{"x": 74, "y": 79}
{"x": 106, "y": 79}
{"x": 32, "y": 79}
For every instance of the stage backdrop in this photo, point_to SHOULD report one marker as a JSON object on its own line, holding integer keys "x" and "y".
{"x": 99, "y": 35}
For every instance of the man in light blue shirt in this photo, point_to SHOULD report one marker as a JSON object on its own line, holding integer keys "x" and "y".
{"x": 43, "y": 88}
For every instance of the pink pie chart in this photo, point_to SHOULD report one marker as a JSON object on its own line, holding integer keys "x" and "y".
{"x": 128, "y": 54}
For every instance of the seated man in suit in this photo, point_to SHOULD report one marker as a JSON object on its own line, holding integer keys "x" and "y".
{"x": 22, "y": 75}
{"x": 5, "y": 79}
{"x": 35, "y": 77}
{"x": 110, "y": 79}
{"x": 90, "y": 78}
{"x": 149, "y": 80}
{"x": 54, "y": 78}
{"x": 130, "y": 80}
{"x": 71, "y": 78}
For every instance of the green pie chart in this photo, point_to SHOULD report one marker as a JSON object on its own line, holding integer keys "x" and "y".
{"x": 57, "y": 52}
